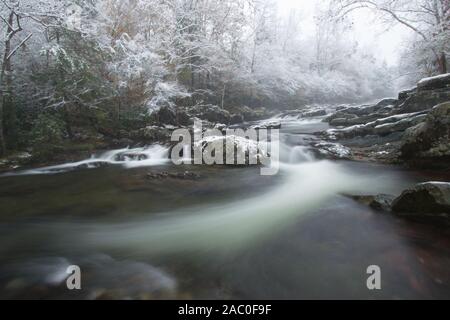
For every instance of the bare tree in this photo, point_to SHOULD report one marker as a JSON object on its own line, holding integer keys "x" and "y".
{"x": 428, "y": 19}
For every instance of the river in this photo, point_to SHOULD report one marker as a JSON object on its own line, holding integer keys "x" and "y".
{"x": 229, "y": 233}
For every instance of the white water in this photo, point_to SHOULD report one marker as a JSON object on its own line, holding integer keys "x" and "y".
{"x": 129, "y": 158}
{"x": 228, "y": 226}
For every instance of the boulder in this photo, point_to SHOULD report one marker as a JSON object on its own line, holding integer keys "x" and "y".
{"x": 381, "y": 202}
{"x": 234, "y": 145}
{"x": 437, "y": 82}
{"x": 331, "y": 150}
{"x": 425, "y": 199}
{"x": 423, "y": 100}
{"x": 429, "y": 140}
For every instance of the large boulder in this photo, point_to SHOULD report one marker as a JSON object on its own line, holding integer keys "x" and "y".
{"x": 423, "y": 100}
{"x": 430, "y": 140}
{"x": 230, "y": 145}
{"x": 437, "y": 82}
{"x": 425, "y": 199}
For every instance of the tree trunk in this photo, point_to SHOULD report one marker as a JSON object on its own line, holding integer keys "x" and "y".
{"x": 443, "y": 63}
{"x": 2, "y": 139}
{"x": 5, "y": 85}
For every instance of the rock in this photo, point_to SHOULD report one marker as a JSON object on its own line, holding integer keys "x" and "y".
{"x": 130, "y": 156}
{"x": 234, "y": 145}
{"x": 332, "y": 150}
{"x": 425, "y": 199}
{"x": 381, "y": 126}
{"x": 166, "y": 115}
{"x": 437, "y": 82}
{"x": 403, "y": 95}
{"x": 381, "y": 202}
{"x": 339, "y": 122}
{"x": 221, "y": 127}
{"x": 268, "y": 125}
{"x": 401, "y": 125}
{"x": 236, "y": 119}
{"x": 183, "y": 118}
{"x": 429, "y": 141}
{"x": 187, "y": 175}
{"x": 92, "y": 165}
{"x": 423, "y": 100}
{"x": 212, "y": 113}
{"x": 386, "y": 102}
{"x": 312, "y": 114}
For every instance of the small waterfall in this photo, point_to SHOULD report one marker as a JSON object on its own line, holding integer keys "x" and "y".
{"x": 129, "y": 158}
{"x": 301, "y": 154}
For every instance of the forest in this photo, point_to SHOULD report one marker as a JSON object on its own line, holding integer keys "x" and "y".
{"x": 77, "y": 69}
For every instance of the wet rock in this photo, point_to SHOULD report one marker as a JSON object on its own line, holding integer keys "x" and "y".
{"x": 92, "y": 165}
{"x": 332, "y": 150}
{"x": 268, "y": 125}
{"x": 314, "y": 113}
{"x": 187, "y": 175}
{"x": 381, "y": 202}
{"x": 221, "y": 127}
{"x": 130, "y": 156}
{"x": 425, "y": 199}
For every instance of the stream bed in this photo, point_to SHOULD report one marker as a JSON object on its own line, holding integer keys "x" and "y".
{"x": 217, "y": 233}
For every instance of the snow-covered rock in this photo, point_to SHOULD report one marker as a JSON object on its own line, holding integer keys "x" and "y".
{"x": 437, "y": 82}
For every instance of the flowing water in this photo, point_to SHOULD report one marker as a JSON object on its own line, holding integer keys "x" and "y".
{"x": 228, "y": 233}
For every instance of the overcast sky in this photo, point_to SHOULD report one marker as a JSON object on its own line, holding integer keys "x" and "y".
{"x": 386, "y": 44}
